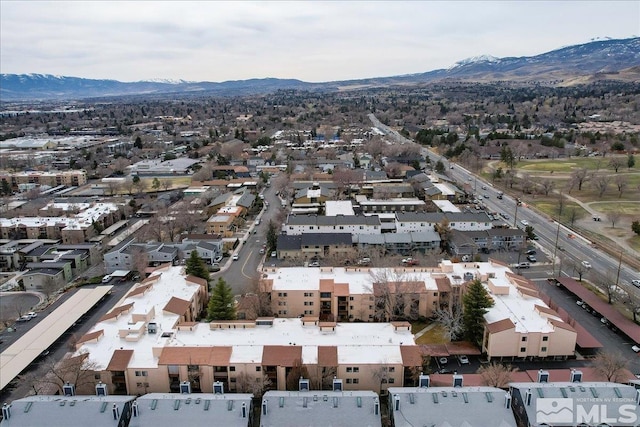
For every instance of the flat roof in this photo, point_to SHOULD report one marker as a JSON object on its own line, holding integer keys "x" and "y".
{"x": 29, "y": 346}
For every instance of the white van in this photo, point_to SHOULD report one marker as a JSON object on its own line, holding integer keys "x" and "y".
{"x": 106, "y": 278}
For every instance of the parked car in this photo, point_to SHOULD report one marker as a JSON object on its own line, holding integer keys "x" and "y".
{"x": 24, "y": 318}
{"x": 32, "y": 314}
{"x": 532, "y": 258}
{"x": 524, "y": 265}
{"x": 364, "y": 261}
{"x": 106, "y": 278}
{"x": 463, "y": 359}
{"x": 314, "y": 264}
{"x": 531, "y": 252}
{"x": 443, "y": 360}
{"x": 274, "y": 254}
{"x": 235, "y": 257}
{"x": 635, "y": 348}
{"x": 586, "y": 264}
{"x": 636, "y": 283}
{"x": 410, "y": 261}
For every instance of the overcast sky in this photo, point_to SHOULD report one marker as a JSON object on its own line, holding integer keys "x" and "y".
{"x": 312, "y": 41}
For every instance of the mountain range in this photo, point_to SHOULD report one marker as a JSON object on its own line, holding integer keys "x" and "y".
{"x": 584, "y": 63}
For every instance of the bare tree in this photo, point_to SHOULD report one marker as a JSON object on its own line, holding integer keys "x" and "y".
{"x": 298, "y": 370}
{"x": 611, "y": 366}
{"x": 166, "y": 184}
{"x": 496, "y": 375}
{"x": 49, "y": 286}
{"x": 561, "y": 203}
{"x": 547, "y": 185}
{"x": 616, "y": 163}
{"x": 572, "y": 215}
{"x": 77, "y": 370}
{"x": 248, "y": 384}
{"x": 580, "y": 176}
{"x": 621, "y": 182}
{"x": 140, "y": 259}
{"x": 602, "y": 183}
{"x": 451, "y": 320}
{"x": 614, "y": 217}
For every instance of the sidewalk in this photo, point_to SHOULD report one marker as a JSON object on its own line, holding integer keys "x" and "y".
{"x": 424, "y": 331}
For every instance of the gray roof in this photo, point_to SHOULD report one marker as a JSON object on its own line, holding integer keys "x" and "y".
{"x": 451, "y": 407}
{"x": 419, "y": 216}
{"x": 375, "y": 175}
{"x": 333, "y": 220}
{"x": 221, "y": 199}
{"x": 201, "y": 409}
{"x": 81, "y": 411}
{"x": 45, "y": 271}
{"x": 246, "y": 200}
{"x": 326, "y": 239}
{"x": 320, "y": 409}
{"x": 587, "y": 395}
{"x": 369, "y": 239}
{"x": 288, "y": 243}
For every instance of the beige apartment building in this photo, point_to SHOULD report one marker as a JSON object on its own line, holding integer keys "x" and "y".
{"x": 149, "y": 342}
{"x": 52, "y": 179}
{"x": 519, "y": 325}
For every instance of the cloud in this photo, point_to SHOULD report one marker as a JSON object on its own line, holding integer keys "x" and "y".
{"x": 313, "y": 41}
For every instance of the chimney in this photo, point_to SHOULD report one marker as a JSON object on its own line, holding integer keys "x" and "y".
{"x": 264, "y": 407}
{"x": 543, "y": 376}
{"x": 218, "y": 388}
{"x": 396, "y": 402}
{"x": 424, "y": 381}
{"x": 576, "y": 376}
{"x": 101, "y": 389}
{"x": 116, "y": 412}
{"x": 185, "y": 387}
{"x": 303, "y": 384}
{"x": 376, "y": 406}
{"x": 69, "y": 389}
{"x": 244, "y": 410}
{"x": 6, "y": 411}
{"x": 507, "y": 400}
{"x": 134, "y": 409}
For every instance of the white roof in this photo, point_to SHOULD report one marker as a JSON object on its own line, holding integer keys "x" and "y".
{"x": 338, "y": 207}
{"x": 446, "y": 206}
{"x": 88, "y": 214}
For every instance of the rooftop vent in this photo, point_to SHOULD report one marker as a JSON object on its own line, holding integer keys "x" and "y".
{"x": 218, "y": 388}
{"x": 264, "y": 407}
{"x": 543, "y": 376}
{"x": 303, "y": 384}
{"x": 152, "y": 328}
{"x": 69, "y": 389}
{"x": 6, "y": 411}
{"x": 101, "y": 389}
{"x": 243, "y": 409}
{"x": 576, "y": 376}
{"x": 457, "y": 381}
{"x": 424, "y": 381}
{"x": 337, "y": 384}
{"x": 134, "y": 409}
{"x": 507, "y": 400}
{"x": 376, "y": 405}
{"x": 527, "y": 397}
{"x": 396, "y": 402}
{"x": 185, "y": 387}
{"x": 116, "y": 412}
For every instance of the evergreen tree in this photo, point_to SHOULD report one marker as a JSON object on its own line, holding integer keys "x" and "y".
{"x": 476, "y": 301}
{"x": 272, "y": 236}
{"x": 221, "y": 305}
{"x": 195, "y": 266}
{"x": 631, "y": 161}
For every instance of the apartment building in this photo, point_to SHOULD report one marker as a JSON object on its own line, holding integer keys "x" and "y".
{"x": 52, "y": 179}
{"x": 461, "y": 221}
{"x": 519, "y": 325}
{"x": 357, "y": 224}
{"x": 322, "y": 245}
{"x": 79, "y": 226}
{"x": 149, "y": 342}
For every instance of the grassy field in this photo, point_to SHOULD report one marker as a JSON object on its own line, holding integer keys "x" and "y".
{"x": 433, "y": 336}
{"x": 569, "y": 165}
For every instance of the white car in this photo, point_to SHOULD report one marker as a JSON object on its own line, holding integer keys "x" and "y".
{"x": 106, "y": 278}
{"x": 32, "y": 314}
{"x": 463, "y": 359}
{"x": 586, "y": 264}
{"x": 235, "y": 257}
{"x": 635, "y": 348}
{"x": 636, "y": 283}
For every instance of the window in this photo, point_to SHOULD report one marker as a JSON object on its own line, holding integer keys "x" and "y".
{"x": 349, "y": 369}
{"x": 356, "y": 381}
{"x": 258, "y": 368}
{"x": 392, "y": 369}
{"x": 348, "y": 380}
{"x": 308, "y": 303}
{"x": 282, "y": 294}
{"x": 523, "y": 349}
{"x": 232, "y": 368}
{"x": 141, "y": 373}
{"x": 435, "y": 294}
{"x": 524, "y": 339}
{"x": 308, "y": 294}
{"x": 545, "y": 339}
{"x": 392, "y": 380}
{"x": 356, "y": 369}
{"x": 325, "y": 294}
{"x": 543, "y": 349}
{"x": 351, "y": 298}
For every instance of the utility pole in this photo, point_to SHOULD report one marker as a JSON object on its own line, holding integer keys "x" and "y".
{"x": 555, "y": 251}
{"x": 619, "y": 267}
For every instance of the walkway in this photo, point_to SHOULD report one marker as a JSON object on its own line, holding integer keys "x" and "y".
{"x": 424, "y": 330}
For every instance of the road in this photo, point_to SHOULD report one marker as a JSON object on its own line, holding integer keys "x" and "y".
{"x": 242, "y": 274}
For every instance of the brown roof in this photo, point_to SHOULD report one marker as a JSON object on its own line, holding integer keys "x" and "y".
{"x": 434, "y": 350}
{"x": 562, "y": 325}
{"x": 207, "y": 356}
{"x": 140, "y": 290}
{"x": 411, "y": 355}
{"x": 90, "y": 336}
{"x": 546, "y": 310}
{"x": 197, "y": 280}
{"x": 116, "y": 312}
{"x": 443, "y": 284}
{"x": 462, "y": 347}
{"x": 281, "y": 355}
{"x": 177, "y": 306}
{"x": 326, "y": 285}
{"x": 341, "y": 289}
{"x": 500, "y": 325}
{"x": 327, "y": 355}
{"x": 528, "y": 292}
{"x": 616, "y": 318}
{"x": 120, "y": 360}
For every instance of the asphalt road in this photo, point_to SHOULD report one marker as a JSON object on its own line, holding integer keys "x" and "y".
{"x": 63, "y": 345}
{"x": 242, "y": 274}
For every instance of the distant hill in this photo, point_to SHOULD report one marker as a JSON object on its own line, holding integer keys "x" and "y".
{"x": 597, "y": 60}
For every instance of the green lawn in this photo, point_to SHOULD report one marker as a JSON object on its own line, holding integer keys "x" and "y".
{"x": 433, "y": 336}
{"x": 569, "y": 165}
{"x": 418, "y": 326}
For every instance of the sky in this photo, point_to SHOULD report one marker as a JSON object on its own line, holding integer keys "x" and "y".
{"x": 308, "y": 40}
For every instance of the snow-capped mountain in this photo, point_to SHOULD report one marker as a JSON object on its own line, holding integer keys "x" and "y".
{"x": 601, "y": 59}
